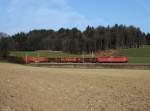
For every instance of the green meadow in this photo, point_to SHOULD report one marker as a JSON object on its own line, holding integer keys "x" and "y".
{"x": 135, "y": 55}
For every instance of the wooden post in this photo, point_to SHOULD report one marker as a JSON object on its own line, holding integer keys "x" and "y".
{"x": 83, "y": 56}
{"x": 26, "y": 57}
{"x": 38, "y": 55}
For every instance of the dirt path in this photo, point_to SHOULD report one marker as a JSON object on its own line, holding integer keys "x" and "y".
{"x": 24, "y": 88}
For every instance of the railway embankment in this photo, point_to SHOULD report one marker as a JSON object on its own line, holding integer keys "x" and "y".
{"x": 94, "y": 65}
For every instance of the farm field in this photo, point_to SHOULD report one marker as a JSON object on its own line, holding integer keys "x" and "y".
{"x": 141, "y": 55}
{"x": 25, "y": 88}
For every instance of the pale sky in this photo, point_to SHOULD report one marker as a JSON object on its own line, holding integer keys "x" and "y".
{"x": 26, "y": 15}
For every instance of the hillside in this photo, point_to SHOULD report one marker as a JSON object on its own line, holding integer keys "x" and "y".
{"x": 137, "y": 55}
{"x": 77, "y": 41}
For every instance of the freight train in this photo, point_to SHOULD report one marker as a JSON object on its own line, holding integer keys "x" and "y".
{"x": 30, "y": 59}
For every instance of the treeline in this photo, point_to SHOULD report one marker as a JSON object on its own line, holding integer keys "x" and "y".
{"x": 148, "y": 39}
{"x": 75, "y": 41}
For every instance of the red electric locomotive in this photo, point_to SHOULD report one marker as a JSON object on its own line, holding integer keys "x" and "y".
{"x": 112, "y": 59}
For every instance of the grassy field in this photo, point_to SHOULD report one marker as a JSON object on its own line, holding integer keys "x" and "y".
{"x": 43, "y": 54}
{"x": 140, "y": 55}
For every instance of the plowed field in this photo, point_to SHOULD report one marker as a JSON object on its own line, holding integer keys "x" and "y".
{"x": 25, "y": 88}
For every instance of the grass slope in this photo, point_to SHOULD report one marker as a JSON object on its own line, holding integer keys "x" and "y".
{"x": 43, "y": 54}
{"x": 140, "y": 55}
